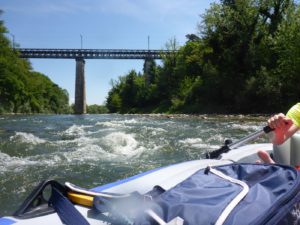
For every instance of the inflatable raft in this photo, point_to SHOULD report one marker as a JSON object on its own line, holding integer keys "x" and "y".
{"x": 36, "y": 209}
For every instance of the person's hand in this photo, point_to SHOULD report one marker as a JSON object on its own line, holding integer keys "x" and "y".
{"x": 280, "y": 121}
{"x": 283, "y": 128}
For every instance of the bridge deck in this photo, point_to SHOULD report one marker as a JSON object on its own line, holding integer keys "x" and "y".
{"x": 92, "y": 53}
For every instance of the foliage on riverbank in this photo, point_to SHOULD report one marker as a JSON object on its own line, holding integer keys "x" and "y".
{"x": 96, "y": 109}
{"x": 23, "y": 90}
{"x": 245, "y": 58}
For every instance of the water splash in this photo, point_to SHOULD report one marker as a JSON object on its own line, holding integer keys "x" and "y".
{"x": 75, "y": 131}
{"x": 29, "y": 138}
{"x": 118, "y": 123}
{"x": 120, "y": 143}
{"x": 13, "y": 163}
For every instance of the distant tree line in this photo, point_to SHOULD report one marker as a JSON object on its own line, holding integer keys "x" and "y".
{"x": 23, "y": 90}
{"x": 93, "y": 109}
{"x": 244, "y": 58}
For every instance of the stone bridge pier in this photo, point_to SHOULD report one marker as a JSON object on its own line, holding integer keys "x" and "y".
{"x": 80, "y": 96}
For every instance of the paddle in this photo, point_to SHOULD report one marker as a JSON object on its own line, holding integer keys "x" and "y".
{"x": 229, "y": 145}
{"x": 293, "y": 114}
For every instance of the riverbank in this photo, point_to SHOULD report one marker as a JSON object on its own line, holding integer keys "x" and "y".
{"x": 240, "y": 117}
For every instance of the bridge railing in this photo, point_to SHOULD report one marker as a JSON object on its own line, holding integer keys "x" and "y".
{"x": 93, "y": 53}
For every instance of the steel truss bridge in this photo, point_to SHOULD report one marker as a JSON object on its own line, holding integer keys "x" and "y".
{"x": 92, "y": 53}
{"x": 81, "y": 54}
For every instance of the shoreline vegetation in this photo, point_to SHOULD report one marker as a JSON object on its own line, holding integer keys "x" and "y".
{"x": 214, "y": 117}
{"x": 202, "y": 116}
{"x": 244, "y": 58}
{"x": 23, "y": 90}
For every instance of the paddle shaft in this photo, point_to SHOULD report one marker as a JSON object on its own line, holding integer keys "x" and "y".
{"x": 216, "y": 153}
{"x": 250, "y": 137}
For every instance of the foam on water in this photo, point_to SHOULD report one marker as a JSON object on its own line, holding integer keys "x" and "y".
{"x": 154, "y": 130}
{"x": 131, "y": 121}
{"x": 257, "y": 127}
{"x": 216, "y": 138}
{"x": 13, "y": 163}
{"x": 192, "y": 142}
{"x": 110, "y": 124}
{"x": 243, "y": 127}
{"x": 196, "y": 143}
{"x": 28, "y": 138}
{"x": 117, "y": 123}
{"x": 88, "y": 153}
{"x": 86, "y": 149}
{"x": 75, "y": 130}
{"x": 83, "y": 144}
{"x": 120, "y": 143}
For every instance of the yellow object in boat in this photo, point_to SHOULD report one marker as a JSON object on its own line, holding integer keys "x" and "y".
{"x": 80, "y": 199}
{"x": 294, "y": 114}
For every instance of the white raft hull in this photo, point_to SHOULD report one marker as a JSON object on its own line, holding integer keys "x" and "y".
{"x": 166, "y": 177}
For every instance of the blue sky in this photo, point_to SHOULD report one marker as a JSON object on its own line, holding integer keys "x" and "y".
{"x": 103, "y": 24}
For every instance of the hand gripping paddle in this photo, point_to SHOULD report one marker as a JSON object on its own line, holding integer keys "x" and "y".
{"x": 293, "y": 114}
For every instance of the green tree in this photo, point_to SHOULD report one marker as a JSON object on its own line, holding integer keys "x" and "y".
{"x": 244, "y": 59}
{"x": 96, "y": 109}
{"x": 239, "y": 33}
{"x": 23, "y": 90}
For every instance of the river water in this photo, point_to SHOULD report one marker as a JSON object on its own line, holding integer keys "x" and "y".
{"x": 92, "y": 150}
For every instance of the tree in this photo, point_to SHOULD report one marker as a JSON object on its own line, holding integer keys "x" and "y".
{"x": 23, "y": 90}
{"x": 96, "y": 109}
{"x": 240, "y": 34}
{"x": 244, "y": 59}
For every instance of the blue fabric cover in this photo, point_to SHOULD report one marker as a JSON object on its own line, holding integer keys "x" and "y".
{"x": 201, "y": 198}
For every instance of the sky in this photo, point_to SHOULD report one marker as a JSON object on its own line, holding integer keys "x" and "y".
{"x": 98, "y": 24}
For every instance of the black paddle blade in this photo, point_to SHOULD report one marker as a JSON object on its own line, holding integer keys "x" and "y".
{"x": 216, "y": 153}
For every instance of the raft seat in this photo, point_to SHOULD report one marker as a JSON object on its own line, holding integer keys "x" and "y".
{"x": 289, "y": 152}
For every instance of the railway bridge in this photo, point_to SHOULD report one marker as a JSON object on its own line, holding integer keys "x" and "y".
{"x": 80, "y": 55}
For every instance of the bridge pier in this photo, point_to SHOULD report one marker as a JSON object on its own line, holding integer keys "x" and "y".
{"x": 148, "y": 70}
{"x": 80, "y": 97}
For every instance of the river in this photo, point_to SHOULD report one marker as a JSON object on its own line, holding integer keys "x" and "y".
{"x": 91, "y": 150}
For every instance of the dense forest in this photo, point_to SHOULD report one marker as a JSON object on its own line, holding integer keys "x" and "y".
{"x": 23, "y": 90}
{"x": 243, "y": 58}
